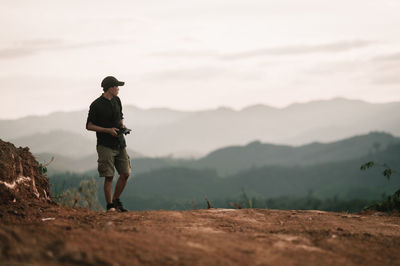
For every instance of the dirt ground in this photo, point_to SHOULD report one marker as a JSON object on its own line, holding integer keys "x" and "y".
{"x": 36, "y": 231}
{"x": 47, "y": 234}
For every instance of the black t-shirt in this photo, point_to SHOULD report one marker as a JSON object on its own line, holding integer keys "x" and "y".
{"x": 107, "y": 113}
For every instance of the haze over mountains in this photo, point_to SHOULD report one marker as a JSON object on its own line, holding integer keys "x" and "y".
{"x": 307, "y": 174}
{"x": 314, "y": 147}
{"x": 163, "y": 132}
{"x": 233, "y": 159}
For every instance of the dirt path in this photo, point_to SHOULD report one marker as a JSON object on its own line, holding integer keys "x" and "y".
{"x": 51, "y": 235}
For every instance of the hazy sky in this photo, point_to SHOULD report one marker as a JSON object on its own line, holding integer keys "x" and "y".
{"x": 190, "y": 55}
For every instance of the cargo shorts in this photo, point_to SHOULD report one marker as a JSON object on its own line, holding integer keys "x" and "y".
{"x": 112, "y": 158}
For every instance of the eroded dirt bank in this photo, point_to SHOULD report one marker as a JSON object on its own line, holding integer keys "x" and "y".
{"x": 45, "y": 234}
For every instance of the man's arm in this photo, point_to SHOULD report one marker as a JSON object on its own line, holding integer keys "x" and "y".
{"x": 91, "y": 126}
{"x": 112, "y": 131}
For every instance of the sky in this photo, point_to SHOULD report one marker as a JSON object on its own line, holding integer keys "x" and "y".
{"x": 193, "y": 55}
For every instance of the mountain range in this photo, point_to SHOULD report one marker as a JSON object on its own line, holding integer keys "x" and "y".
{"x": 231, "y": 160}
{"x": 172, "y": 186}
{"x": 165, "y": 132}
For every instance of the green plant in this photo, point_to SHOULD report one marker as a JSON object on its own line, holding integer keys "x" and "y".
{"x": 57, "y": 190}
{"x": 43, "y": 167}
{"x": 83, "y": 196}
{"x": 392, "y": 202}
{"x": 245, "y": 201}
{"x": 387, "y": 172}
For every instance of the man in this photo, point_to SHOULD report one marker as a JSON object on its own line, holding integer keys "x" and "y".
{"x": 106, "y": 118}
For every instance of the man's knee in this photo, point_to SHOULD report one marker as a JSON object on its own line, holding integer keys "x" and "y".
{"x": 108, "y": 179}
{"x": 125, "y": 176}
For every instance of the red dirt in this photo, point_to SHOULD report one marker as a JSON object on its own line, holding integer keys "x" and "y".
{"x": 44, "y": 234}
{"x": 35, "y": 231}
{"x": 20, "y": 178}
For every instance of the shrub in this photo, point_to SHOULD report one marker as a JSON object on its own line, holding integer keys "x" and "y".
{"x": 392, "y": 202}
{"x": 83, "y": 196}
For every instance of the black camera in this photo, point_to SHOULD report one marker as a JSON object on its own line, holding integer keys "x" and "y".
{"x": 124, "y": 131}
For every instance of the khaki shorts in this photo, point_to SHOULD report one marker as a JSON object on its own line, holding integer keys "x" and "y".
{"x": 110, "y": 158}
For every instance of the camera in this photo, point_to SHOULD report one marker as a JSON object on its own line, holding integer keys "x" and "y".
{"x": 124, "y": 131}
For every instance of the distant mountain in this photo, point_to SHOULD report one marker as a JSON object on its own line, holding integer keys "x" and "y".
{"x": 67, "y": 164}
{"x": 294, "y": 125}
{"x": 341, "y": 179}
{"x": 230, "y": 160}
{"x": 62, "y": 163}
{"x": 162, "y": 132}
{"x": 234, "y": 159}
{"x": 75, "y": 121}
{"x": 63, "y": 142}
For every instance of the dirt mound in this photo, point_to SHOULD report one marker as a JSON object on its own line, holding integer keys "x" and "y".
{"x": 20, "y": 178}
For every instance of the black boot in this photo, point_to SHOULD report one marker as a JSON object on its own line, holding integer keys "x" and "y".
{"x": 118, "y": 205}
{"x": 111, "y": 207}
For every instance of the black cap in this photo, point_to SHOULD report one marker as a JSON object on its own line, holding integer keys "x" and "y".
{"x": 109, "y": 82}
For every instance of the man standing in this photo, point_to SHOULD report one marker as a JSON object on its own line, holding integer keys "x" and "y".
{"x": 106, "y": 118}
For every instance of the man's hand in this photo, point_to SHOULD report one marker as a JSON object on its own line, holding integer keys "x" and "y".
{"x": 113, "y": 131}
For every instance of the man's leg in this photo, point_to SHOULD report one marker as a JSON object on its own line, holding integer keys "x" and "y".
{"x": 119, "y": 187}
{"x": 106, "y": 170}
{"x": 123, "y": 165}
{"x": 108, "y": 189}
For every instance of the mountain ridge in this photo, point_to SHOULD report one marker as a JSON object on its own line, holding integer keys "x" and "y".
{"x": 232, "y": 159}
{"x": 159, "y": 132}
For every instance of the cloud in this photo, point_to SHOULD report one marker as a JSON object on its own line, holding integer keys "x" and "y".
{"x": 204, "y": 73}
{"x": 387, "y": 69}
{"x": 387, "y": 80}
{"x": 300, "y": 49}
{"x": 31, "y": 47}
{"x": 187, "y": 53}
{"x": 197, "y": 73}
{"x": 274, "y": 51}
{"x": 387, "y": 57}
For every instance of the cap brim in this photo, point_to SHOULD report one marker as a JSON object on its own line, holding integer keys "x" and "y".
{"x": 120, "y": 83}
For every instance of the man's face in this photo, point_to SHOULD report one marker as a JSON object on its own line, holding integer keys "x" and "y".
{"x": 114, "y": 90}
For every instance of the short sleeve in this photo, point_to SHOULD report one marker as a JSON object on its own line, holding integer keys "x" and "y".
{"x": 91, "y": 115}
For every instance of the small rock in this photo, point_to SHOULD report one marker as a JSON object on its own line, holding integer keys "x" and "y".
{"x": 13, "y": 212}
{"x": 48, "y": 219}
{"x": 109, "y": 224}
{"x": 173, "y": 258}
{"x": 49, "y": 254}
{"x": 367, "y": 234}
